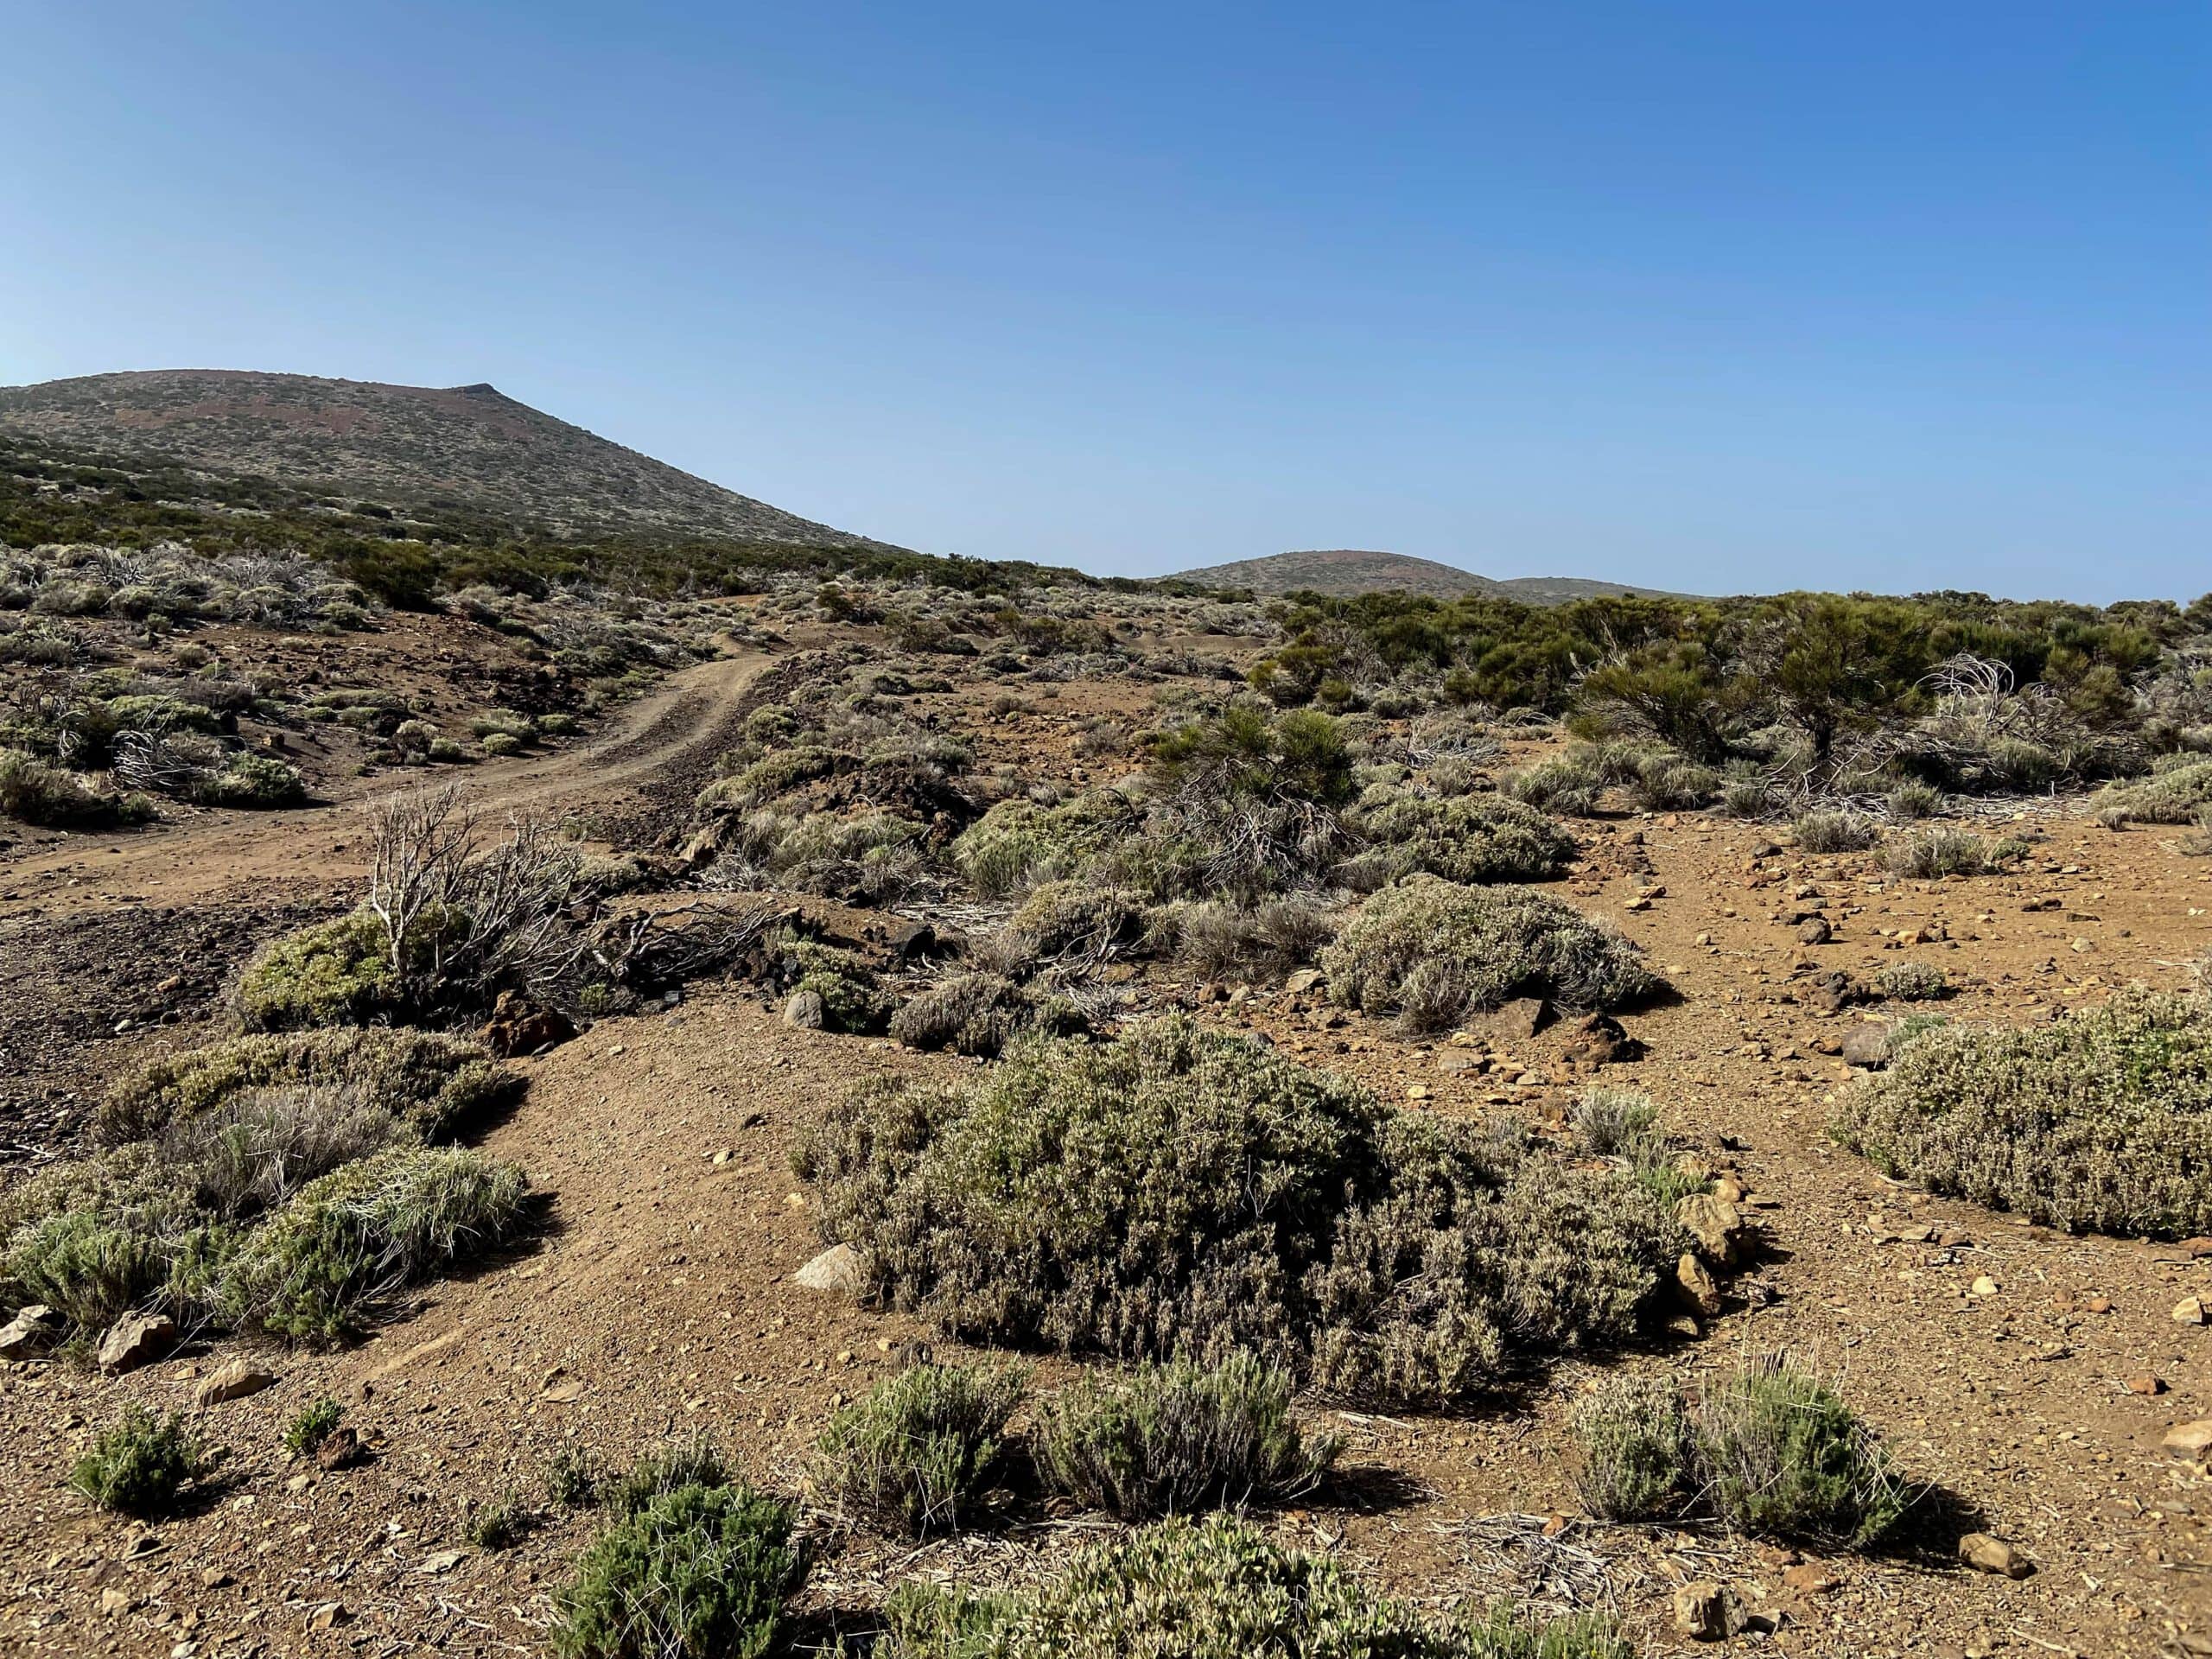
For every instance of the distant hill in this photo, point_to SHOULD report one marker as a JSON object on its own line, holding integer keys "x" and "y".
{"x": 469, "y": 448}
{"x": 1344, "y": 571}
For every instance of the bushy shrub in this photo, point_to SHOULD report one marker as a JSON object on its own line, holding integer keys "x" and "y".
{"x": 319, "y": 1267}
{"x": 694, "y": 1460}
{"x": 1433, "y": 952}
{"x": 1928, "y": 855}
{"x": 1636, "y": 1450}
{"x": 255, "y": 781}
{"x": 852, "y": 999}
{"x": 1019, "y": 844}
{"x": 921, "y": 1450}
{"x": 1910, "y": 801}
{"x": 333, "y": 973}
{"x": 1275, "y": 935}
{"x": 1780, "y": 1455}
{"x": 36, "y": 792}
{"x": 431, "y": 1081}
{"x": 1834, "y": 832}
{"x": 1176, "y": 1191}
{"x": 1771, "y": 1450}
{"x": 1466, "y": 838}
{"x": 261, "y": 1146}
{"x": 1071, "y": 925}
{"x": 978, "y": 1014}
{"x": 1613, "y": 1122}
{"x": 2100, "y": 1121}
{"x": 1912, "y": 982}
{"x": 102, "y": 1238}
{"x": 500, "y": 1524}
{"x": 700, "y": 1573}
{"x": 1169, "y": 1440}
{"x": 2174, "y": 794}
{"x": 1216, "y": 1588}
{"x": 141, "y": 1464}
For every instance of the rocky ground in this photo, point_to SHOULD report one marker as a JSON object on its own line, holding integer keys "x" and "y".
{"x": 2029, "y": 1377}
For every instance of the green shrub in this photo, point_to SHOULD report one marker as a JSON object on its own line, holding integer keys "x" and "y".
{"x": 772, "y": 777}
{"x": 1781, "y": 1456}
{"x": 1433, "y": 952}
{"x": 102, "y": 1238}
{"x": 36, "y": 792}
{"x": 1019, "y": 844}
{"x": 255, "y": 781}
{"x": 977, "y": 1015}
{"x": 693, "y": 1461}
{"x": 1636, "y": 1450}
{"x": 1614, "y": 1121}
{"x": 1834, "y": 832}
{"x": 852, "y": 999}
{"x": 141, "y": 1465}
{"x": 1908, "y": 801}
{"x": 499, "y": 745}
{"x": 319, "y": 1268}
{"x": 335, "y": 973}
{"x": 1275, "y": 935}
{"x": 1912, "y": 982}
{"x": 1216, "y": 1588}
{"x": 313, "y": 1425}
{"x": 1174, "y": 1438}
{"x": 1174, "y": 1191}
{"x": 501, "y": 1524}
{"x": 1072, "y": 925}
{"x": 1464, "y": 838}
{"x": 572, "y": 1479}
{"x": 2100, "y": 1121}
{"x": 428, "y": 1080}
{"x": 922, "y": 1447}
{"x": 2174, "y": 795}
{"x": 699, "y": 1573}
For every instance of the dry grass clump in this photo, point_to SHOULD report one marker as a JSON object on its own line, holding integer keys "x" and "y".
{"x": 1912, "y": 982}
{"x": 1929, "y": 854}
{"x": 1433, "y": 952}
{"x": 1176, "y": 1439}
{"x": 320, "y": 1268}
{"x": 432, "y": 1081}
{"x": 1464, "y": 838}
{"x": 1770, "y": 1451}
{"x": 920, "y": 1449}
{"x": 1654, "y": 778}
{"x": 2175, "y": 793}
{"x": 979, "y": 1014}
{"x": 1275, "y": 935}
{"x": 1218, "y": 1588}
{"x": 2100, "y": 1121}
{"x": 1831, "y": 832}
{"x": 37, "y": 791}
{"x": 1174, "y": 1191}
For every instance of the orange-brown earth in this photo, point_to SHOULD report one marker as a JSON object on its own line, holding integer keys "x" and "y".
{"x": 660, "y": 1300}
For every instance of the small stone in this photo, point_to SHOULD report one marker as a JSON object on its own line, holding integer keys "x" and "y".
{"x": 2191, "y": 1441}
{"x": 1814, "y": 930}
{"x": 329, "y": 1615}
{"x": 1696, "y": 1284}
{"x": 1987, "y": 1553}
{"x": 1867, "y": 1045}
{"x": 836, "y": 1268}
{"x": 2146, "y": 1384}
{"x": 340, "y": 1449}
{"x": 1984, "y": 1286}
{"x": 1303, "y": 980}
{"x": 1716, "y": 1224}
{"x": 114, "y": 1602}
{"x": 1702, "y": 1612}
{"x": 134, "y": 1339}
{"x": 804, "y": 1010}
{"x": 1523, "y": 1017}
{"x": 232, "y": 1382}
{"x": 33, "y": 1331}
{"x": 2189, "y": 1310}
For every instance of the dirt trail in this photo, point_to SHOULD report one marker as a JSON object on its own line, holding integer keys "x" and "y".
{"x": 214, "y": 852}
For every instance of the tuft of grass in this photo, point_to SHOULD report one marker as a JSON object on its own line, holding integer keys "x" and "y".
{"x": 1834, "y": 832}
{"x": 1169, "y": 1439}
{"x": 1912, "y": 982}
{"x": 1218, "y": 1588}
{"x": 501, "y": 1524}
{"x": 1636, "y": 1450}
{"x": 141, "y": 1464}
{"x": 313, "y": 1425}
{"x": 1613, "y": 1123}
{"x": 2100, "y": 1121}
{"x": 694, "y": 1461}
{"x": 572, "y": 1480}
{"x": 2175, "y": 794}
{"x": 1781, "y": 1456}
{"x": 1928, "y": 855}
{"x": 1433, "y": 952}
{"x": 320, "y": 1268}
{"x": 921, "y": 1449}
{"x": 700, "y": 1572}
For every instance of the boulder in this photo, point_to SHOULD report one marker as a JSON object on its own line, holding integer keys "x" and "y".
{"x": 1523, "y": 1017}
{"x": 1987, "y": 1553}
{"x": 340, "y": 1449}
{"x": 518, "y": 1025}
{"x": 134, "y": 1339}
{"x": 837, "y": 1268}
{"x": 1718, "y": 1225}
{"x": 33, "y": 1331}
{"x": 233, "y": 1380}
{"x": 2191, "y": 1441}
{"x": 1600, "y": 1039}
{"x": 1814, "y": 930}
{"x": 1696, "y": 1284}
{"x": 804, "y": 1010}
{"x": 1704, "y": 1611}
{"x": 1867, "y": 1045}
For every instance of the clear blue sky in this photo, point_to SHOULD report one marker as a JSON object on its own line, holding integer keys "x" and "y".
{"x": 1716, "y": 297}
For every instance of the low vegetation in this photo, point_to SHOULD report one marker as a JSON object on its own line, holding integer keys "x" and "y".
{"x": 700, "y": 1571}
{"x": 918, "y": 1452}
{"x": 1770, "y": 1451}
{"x": 141, "y": 1464}
{"x": 1174, "y": 1191}
{"x": 1215, "y": 1589}
{"x": 2100, "y": 1121}
{"x": 1435, "y": 952}
{"x": 1178, "y": 1438}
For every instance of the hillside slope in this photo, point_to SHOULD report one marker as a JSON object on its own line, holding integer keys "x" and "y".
{"x": 465, "y": 447}
{"x": 1342, "y": 572}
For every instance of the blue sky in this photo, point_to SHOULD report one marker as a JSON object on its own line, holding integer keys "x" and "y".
{"x": 1713, "y": 297}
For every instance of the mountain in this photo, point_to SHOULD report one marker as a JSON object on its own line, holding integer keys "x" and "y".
{"x": 1345, "y": 571}
{"x": 470, "y": 448}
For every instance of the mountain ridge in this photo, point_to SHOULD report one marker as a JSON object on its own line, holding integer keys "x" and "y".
{"x": 1342, "y": 572}
{"x": 468, "y": 446}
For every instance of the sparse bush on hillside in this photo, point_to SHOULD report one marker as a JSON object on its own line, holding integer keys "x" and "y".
{"x": 1070, "y": 926}
{"x": 34, "y": 791}
{"x": 97, "y": 1240}
{"x": 921, "y": 1449}
{"x": 1216, "y": 1588}
{"x": 1912, "y": 982}
{"x": 1274, "y": 936}
{"x": 852, "y": 1000}
{"x": 1464, "y": 838}
{"x": 1019, "y": 844}
{"x": 261, "y": 1146}
{"x": 1175, "y": 1191}
{"x": 311, "y": 1426}
{"x": 694, "y": 1460}
{"x": 2098, "y": 1121}
{"x": 701, "y": 1571}
{"x": 1172, "y": 1440}
{"x": 431, "y": 1081}
{"x": 1929, "y": 854}
{"x": 1433, "y": 952}
{"x": 978, "y": 1014}
{"x": 1770, "y": 1451}
{"x": 141, "y": 1465}
{"x": 317, "y": 1268}
{"x": 1828, "y": 832}
{"x": 2174, "y": 794}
